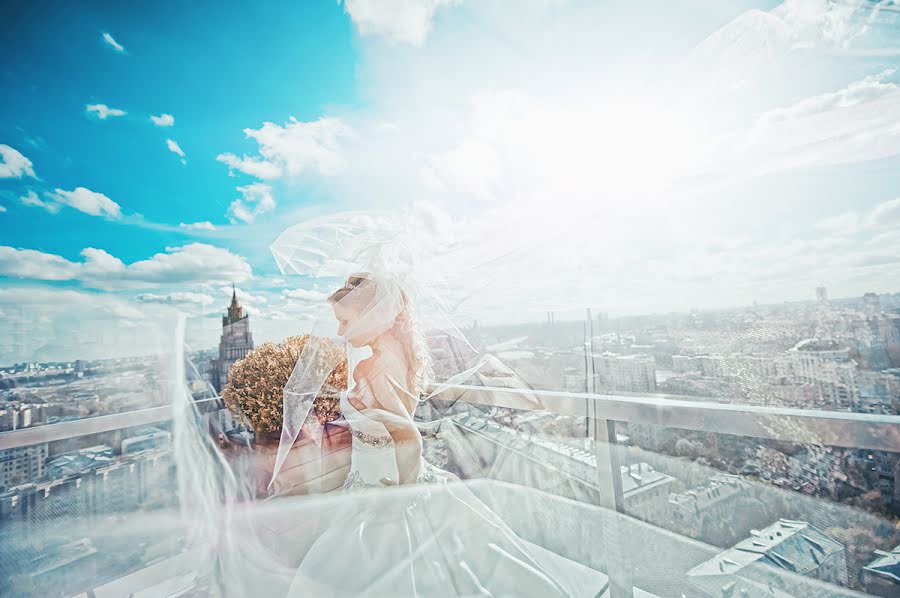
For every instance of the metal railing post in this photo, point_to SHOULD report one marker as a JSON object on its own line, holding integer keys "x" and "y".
{"x": 611, "y": 498}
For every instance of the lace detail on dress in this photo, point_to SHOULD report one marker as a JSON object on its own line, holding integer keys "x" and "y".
{"x": 355, "y": 481}
{"x": 427, "y": 474}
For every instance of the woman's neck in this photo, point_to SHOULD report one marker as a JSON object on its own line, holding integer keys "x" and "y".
{"x": 387, "y": 344}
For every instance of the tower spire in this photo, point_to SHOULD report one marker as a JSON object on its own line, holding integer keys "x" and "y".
{"x": 235, "y": 311}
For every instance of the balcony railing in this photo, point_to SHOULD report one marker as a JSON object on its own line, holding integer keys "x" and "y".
{"x": 806, "y": 426}
{"x": 602, "y": 412}
{"x": 90, "y": 425}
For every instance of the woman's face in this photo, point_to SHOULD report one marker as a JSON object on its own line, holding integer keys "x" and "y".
{"x": 348, "y": 320}
{"x": 362, "y": 314}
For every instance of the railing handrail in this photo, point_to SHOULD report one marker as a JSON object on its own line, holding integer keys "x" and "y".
{"x": 804, "y": 426}
{"x": 89, "y": 425}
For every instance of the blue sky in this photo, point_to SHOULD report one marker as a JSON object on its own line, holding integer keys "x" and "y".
{"x": 209, "y": 66}
{"x": 725, "y": 152}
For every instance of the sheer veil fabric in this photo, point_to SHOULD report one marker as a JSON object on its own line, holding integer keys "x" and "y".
{"x": 388, "y": 284}
{"x": 429, "y": 535}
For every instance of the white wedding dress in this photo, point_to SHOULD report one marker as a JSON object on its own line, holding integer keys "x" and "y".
{"x": 431, "y": 539}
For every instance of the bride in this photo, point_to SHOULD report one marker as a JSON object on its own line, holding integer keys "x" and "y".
{"x": 428, "y": 535}
{"x": 386, "y": 389}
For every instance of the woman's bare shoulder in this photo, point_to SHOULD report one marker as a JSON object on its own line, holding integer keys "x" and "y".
{"x": 375, "y": 368}
{"x": 364, "y": 370}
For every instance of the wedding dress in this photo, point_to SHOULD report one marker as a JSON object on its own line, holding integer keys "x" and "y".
{"x": 431, "y": 539}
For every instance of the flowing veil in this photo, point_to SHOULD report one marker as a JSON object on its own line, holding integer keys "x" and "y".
{"x": 392, "y": 272}
{"x": 394, "y": 304}
{"x": 400, "y": 262}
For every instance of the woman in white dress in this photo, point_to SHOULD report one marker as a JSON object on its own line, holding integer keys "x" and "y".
{"x": 430, "y": 539}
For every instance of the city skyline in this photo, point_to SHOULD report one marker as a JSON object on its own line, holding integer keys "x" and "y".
{"x": 571, "y": 316}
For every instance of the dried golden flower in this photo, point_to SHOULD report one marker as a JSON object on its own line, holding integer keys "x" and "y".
{"x": 255, "y": 387}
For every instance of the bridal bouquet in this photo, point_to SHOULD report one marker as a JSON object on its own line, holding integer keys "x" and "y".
{"x": 255, "y": 387}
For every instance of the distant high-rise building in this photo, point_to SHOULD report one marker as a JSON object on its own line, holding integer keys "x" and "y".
{"x": 236, "y": 341}
{"x": 630, "y": 373}
{"x": 822, "y": 294}
{"x": 872, "y": 301}
{"x": 826, "y": 365}
{"x": 22, "y": 464}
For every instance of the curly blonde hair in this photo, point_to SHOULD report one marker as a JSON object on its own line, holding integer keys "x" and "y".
{"x": 255, "y": 387}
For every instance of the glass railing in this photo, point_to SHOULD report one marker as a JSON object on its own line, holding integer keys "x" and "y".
{"x": 765, "y": 499}
{"x": 659, "y": 495}
{"x": 34, "y": 394}
{"x": 87, "y": 500}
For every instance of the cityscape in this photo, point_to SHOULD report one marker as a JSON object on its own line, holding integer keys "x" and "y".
{"x": 788, "y": 500}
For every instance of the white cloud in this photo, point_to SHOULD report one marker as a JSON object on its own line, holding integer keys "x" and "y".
{"x": 194, "y": 263}
{"x": 27, "y": 263}
{"x": 201, "y": 299}
{"x": 867, "y": 89}
{"x": 846, "y": 222}
{"x": 191, "y": 263}
{"x": 274, "y": 314}
{"x": 13, "y": 164}
{"x": 163, "y": 120}
{"x": 100, "y": 263}
{"x": 2, "y": 209}
{"x": 112, "y": 43}
{"x": 256, "y": 167}
{"x": 87, "y": 201}
{"x": 293, "y": 149}
{"x": 102, "y": 111}
{"x": 242, "y": 295}
{"x": 255, "y": 199}
{"x": 205, "y": 225}
{"x": 31, "y": 199}
{"x": 855, "y": 123}
{"x": 108, "y": 325}
{"x": 304, "y": 295}
{"x": 175, "y": 149}
{"x": 471, "y": 168}
{"x": 404, "y": 21}
{"x": 825, "y": 23}
{"x": 885, "y": 214}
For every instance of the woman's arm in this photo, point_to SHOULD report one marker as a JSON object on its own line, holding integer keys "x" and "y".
{"x": 391, "y": 412}
{"x": 408, "y": 451}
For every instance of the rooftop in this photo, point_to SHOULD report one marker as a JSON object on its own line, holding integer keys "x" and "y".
{"x": 717, "y": 489}
{"x": 792, "y": 545}
{"x": 635, "y": 477}
{"x": 887, "y": 565}
{"x": 814, "y": 344}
